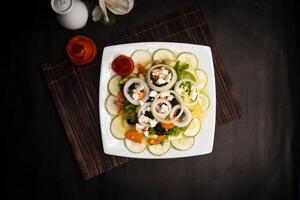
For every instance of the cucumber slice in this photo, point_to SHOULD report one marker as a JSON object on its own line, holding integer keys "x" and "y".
{"x": 163, "y": 54}
{"x": 110, "y": 105}
{"x": 113, "y": 85}
{"x": 135, "y": 147}
{"x": 204, "y": 101}
{"x": 194, "y": 128}
{"x": 174, "y": 137}
{"x": 117, "y": 128}
{"x": 201, "y": 78}
{"x": 184, "y": 143}
{"x": 159, "y": 149}
{"x": 142, "y": 57}
{"x": 188, "y": 58}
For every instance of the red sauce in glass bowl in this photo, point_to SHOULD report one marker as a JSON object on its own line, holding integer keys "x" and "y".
{"x": 123, "y": 65}
{"x": 81, "y": 50}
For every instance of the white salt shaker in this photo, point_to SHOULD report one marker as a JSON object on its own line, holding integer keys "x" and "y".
{"x": 71, "y": 14}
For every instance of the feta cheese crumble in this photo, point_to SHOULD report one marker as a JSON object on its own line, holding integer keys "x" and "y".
{"x": 162, "y": 74}
{"x": 135, "y": 96}
{"x": 153, "y": 123}
{"x": 164, "y": 108}
{"x": 139, "y": 127}
{"x": 153, "y": 93}
{"x": 143, "y": 119}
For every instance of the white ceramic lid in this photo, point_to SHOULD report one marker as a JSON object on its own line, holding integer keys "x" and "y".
{"x": 62, "y": 6}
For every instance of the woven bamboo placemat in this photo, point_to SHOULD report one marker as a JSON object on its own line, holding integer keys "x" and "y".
{"x": 75, "y": 88}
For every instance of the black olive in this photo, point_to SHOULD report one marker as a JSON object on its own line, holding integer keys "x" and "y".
{"x": 160, "y": 130}
{"x": 150, "y": 99}
{"x": 131, "y": 87}
{"x": 174, "y": 102}
{"x": 149, "y": 114}
{"x": 159, "y": 85}
{"x": 131, "y": 120}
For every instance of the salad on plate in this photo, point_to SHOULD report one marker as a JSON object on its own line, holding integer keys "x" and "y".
{"x": 157, "y": 100}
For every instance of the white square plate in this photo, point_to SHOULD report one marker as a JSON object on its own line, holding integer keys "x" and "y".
{"x": 203, "y": 141}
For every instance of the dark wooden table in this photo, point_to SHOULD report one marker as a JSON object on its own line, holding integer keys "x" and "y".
{"x": 253, "y": 158}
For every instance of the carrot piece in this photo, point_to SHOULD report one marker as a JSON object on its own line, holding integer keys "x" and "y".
{"x": 141, "y": 94}
{"x": 152, "y": 141}
{"x": 167, "y": 126}
{"x": 161, "y": 138}
{"x": 134, "y": 135}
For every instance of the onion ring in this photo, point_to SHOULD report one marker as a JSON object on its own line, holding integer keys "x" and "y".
{"x": 156, "y": 103}
{"x": 129, "y": 83}
{"x": 188, "y": 116}
{"x": 174, "y": 109}
{"x": 177, "y": 89}
{"x": 165, "y": 87}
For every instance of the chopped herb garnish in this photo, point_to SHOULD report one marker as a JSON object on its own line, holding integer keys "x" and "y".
{"x": 188, "y": 75}
{"x": 137, "y": 109}
{"x": 128, "y": 107}
{"x": 179, "y": 68}
{"x": 181, "y": 73}
{"x": 176, "y": 130}
{"x": 135, "y": 75}
{"x": 152, "y": 131}
{"x": 121, "y": 86}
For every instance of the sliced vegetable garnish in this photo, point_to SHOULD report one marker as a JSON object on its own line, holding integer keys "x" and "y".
{"x": 188, "y": 58}
{"x": 204, "y": 101}
{"x": 193, "y": 128}
{"x": 135, "y": 147}
{"x": 159, "y": 149}
{"x": 111, "y": 106}
{"x": 201, "y": 78}
{"x": 117, "y": 128}
{"x": 183, "y": 143}
{"x": 141, "y": 57}
{"x": 163, "y": 54}
{"x": 113, "y": 85}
